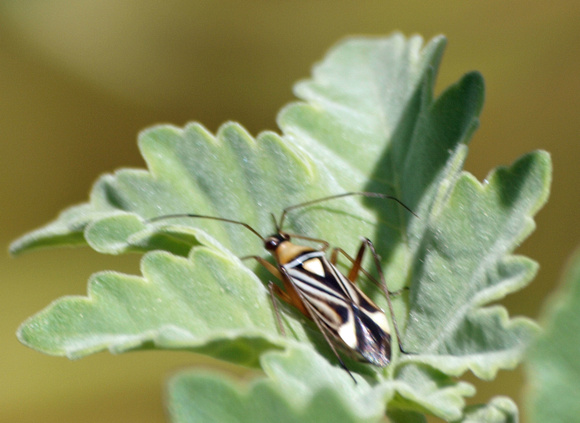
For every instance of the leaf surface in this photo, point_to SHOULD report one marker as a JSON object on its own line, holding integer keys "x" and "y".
{"x": 553, "y": 368}
{"x": 367, "y": 121}
{"x": 498, "y": 410}
{"x": 299, "y": 385}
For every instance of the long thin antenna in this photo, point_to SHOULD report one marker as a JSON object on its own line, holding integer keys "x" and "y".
{"x": 345, "y": 194}
{"x": 275, "y": 223}
{"x": 201, "y": 216}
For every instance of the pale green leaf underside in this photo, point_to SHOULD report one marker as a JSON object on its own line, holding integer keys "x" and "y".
{"x": 207, "y": 302}
{"x": 367, "y": 122}
{"x": 498, "y": 410}
{"x": 300, "y": 386}
{"x": 553, "y": 367}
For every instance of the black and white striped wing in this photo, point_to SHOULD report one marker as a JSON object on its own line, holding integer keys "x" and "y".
{"x": 340, "y": 307}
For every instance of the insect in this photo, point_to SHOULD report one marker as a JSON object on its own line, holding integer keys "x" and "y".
{"x": 343, "y": 313}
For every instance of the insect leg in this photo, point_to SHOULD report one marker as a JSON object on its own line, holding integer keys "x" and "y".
{"x": 377, "y": 261}
{"x": 356, "y": 263}
{"x": 273, "y": 288}
{"x": 267, "y": 265}
{"x": 353, "y": 274}
{"x": 286, "y": 296}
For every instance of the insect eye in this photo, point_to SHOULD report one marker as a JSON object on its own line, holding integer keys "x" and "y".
{"x": 271, "y": 243}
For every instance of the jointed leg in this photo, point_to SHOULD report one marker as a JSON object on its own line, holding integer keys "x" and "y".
{"x": 353, "y": 274}
{"x": 286, "y": 296}
{"x": 269, "y": 266}
{"x": 274, "y": 289}
{"x": 356, "y": 263}
{"x": 385, "y": 290}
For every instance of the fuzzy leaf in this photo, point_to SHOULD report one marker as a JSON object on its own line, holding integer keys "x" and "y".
{"x": 233, "y": 175}
{"x": 174, "y": 305}
{"x": 300, "y": 387}
{"x": 499, "y": 410}
{"x": 450, "y": 327}
{"x": 367, "y": 122}
{"x": 553, "y": 367}
{"x": 401, "y": 416}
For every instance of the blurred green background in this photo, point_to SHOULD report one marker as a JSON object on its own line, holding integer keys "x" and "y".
{"x": 78, "y": 80}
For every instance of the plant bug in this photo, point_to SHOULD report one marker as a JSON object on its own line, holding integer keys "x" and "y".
{"x": 343, "y": 313}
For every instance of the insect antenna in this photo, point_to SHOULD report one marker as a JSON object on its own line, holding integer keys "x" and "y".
{"x": 345, "y": 194}
{"x": 201, "y": 216}
{"x": 278, "y": 229}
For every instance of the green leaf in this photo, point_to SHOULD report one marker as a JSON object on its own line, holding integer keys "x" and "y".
{"x": 367, "y": 122}
{"x": 233, "y": 175}
{"x": 209, "y": 303}
{"x": 300, "y": 386}
{"x": 470, "y": 232}
{"x": 400, "y": 416}
{"x": 499, "y": 410}
{"x": 427, "y": 390}
{"x": 553, "y": 367}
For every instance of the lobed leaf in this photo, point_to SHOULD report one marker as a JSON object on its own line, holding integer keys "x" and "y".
{"x": 299, "y": 385}
{"x": 465, "y": 246}
{"x": 367, "y": 122}
{"x": 172, "y": 306}
{"x": 499, "y": 410}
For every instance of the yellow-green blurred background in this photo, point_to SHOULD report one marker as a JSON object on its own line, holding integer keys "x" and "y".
{"x": 79, "y": 79}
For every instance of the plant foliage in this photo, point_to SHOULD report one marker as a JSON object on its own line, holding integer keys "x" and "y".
{"x": 367, "y": 120}
{"x": 553, "y": 367}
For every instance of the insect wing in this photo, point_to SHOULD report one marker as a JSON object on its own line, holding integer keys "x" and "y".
{"x": 341, "y": 307}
